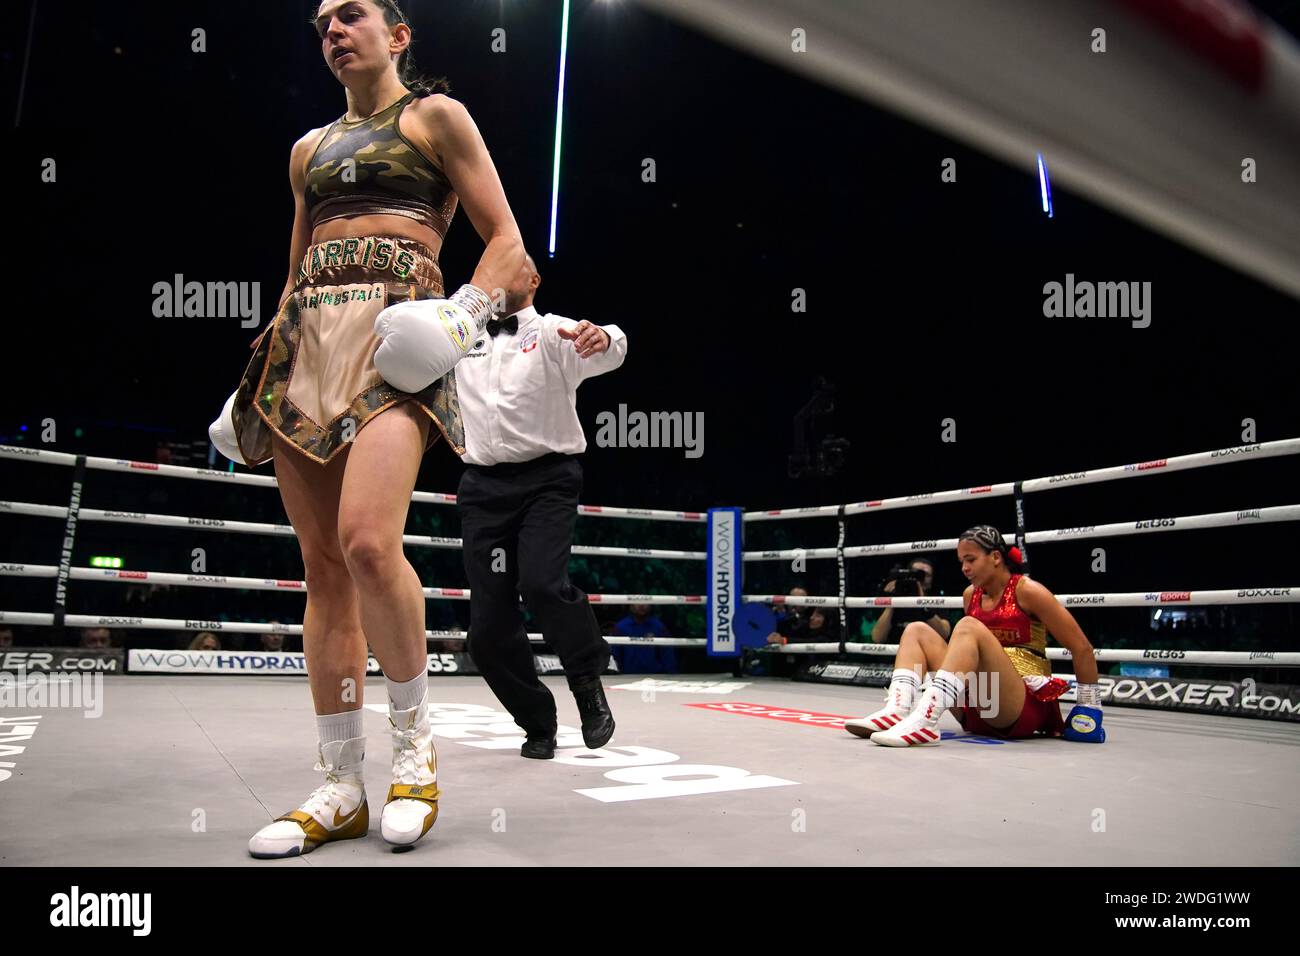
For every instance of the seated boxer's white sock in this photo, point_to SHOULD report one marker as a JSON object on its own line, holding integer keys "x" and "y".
{"x": 903, "y": 686}
{"x": 944, "y": 691}
{"x": 407, "y": 695}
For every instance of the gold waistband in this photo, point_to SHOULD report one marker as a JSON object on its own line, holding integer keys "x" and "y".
{"x": 369, "y": 259}
{"x": 1027, "y": 662}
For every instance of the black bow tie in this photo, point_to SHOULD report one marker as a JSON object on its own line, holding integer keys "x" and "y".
{"x": 510, "y": 325}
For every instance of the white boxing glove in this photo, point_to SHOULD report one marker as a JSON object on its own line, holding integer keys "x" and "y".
{"x": 222, "y": 432}
{"x": 423, "y": 339}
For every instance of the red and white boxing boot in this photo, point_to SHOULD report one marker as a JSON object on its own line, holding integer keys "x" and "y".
{"x": 921, "y": 727}
{"x": 899, "y": 700}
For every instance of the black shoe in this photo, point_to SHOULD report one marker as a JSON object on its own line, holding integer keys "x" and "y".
{"x": 539, "y": 748}
{"x": 593, "y": 708}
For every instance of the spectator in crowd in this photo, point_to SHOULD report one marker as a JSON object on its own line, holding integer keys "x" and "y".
{"x": 916, "y": 580}
{"x": 205, "y": 641}
{"x": 818, "y": 626}
{"x": 648, "y": 659}
{"x": 272, "y": 642}
{"x": 6, "y": 637}
{"x": 789, "y": 618}
{"x": 96, "y": 638}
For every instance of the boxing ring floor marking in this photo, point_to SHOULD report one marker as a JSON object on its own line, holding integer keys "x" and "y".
{"x": 180, "y": 771}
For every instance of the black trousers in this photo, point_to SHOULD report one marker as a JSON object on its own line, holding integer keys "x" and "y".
{"x": 517, "y": 523}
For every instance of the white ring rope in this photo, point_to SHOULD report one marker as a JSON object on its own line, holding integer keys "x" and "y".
{"x": 126, "y": 466}
{"x": 1132, "y": 599}
{"x": 247, "y": 627}
{"x": 279, "y": 584}
{"x": 1125, "y": 599}
{"x": 257, "y": 527}
{"x": 1219, "y": 519}
{"x": 1220, "y": 456}
{"x": 1259, "y": 595}
{"x": 1211, "y": 658}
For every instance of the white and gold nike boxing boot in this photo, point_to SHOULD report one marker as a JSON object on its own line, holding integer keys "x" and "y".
{"x": 412, "y": 805}
{"x": 336, "y": 810}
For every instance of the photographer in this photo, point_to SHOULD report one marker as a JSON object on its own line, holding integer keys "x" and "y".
{"x": 914, "y": 580}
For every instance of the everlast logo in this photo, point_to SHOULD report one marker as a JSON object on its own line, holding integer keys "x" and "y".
{"x": 65, "y": 556}
{"x": 203, "y": 625}
{"x": 1075, "y": 476}
{"x": 1264, "y": 592}
{"x": 206, "y": 522}
{"x": 1242, "y": 450}
{"x": 1246, "y": 515}
{"x": 1086, "y": 599}
{"x": 1155, "y": 523}
{"x": 1262, "y": 655}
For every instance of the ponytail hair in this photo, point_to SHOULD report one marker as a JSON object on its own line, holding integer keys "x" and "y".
{"x": 411, "y": 77}
{"x": 989, "y": 539}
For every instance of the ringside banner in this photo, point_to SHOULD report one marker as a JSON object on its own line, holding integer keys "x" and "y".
{"x": 46, "y": 660}
{"x": 725, "y": 585}
{"x": 150, "y": 661}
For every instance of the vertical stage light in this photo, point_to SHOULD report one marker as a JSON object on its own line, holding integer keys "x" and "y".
{"x": 559, "y": 126}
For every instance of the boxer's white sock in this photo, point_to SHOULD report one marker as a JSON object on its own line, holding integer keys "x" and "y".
{"x": 332, "y": 728}
{"x": 407, "y": 695}
{"x": 944, "y": 691}
{"x": 903, "y": 685}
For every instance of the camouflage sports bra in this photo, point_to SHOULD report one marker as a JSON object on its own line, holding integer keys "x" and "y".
{"x": 388, "y": 177}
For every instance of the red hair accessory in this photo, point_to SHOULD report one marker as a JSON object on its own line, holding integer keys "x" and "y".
{"x": 1016, "y": 554}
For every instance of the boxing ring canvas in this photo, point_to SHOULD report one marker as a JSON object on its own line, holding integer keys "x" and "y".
{"x": 755, "y": 772}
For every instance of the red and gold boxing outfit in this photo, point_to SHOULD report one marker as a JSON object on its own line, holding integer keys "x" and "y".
{"x": 1022, "y": 636}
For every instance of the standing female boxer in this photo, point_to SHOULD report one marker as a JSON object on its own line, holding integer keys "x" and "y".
{"x": 374, "y": 194}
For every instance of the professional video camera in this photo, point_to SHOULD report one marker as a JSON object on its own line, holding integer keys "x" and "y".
{"x": 907, "y": 582}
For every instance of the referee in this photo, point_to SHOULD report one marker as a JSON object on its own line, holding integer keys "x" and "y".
{"x": 518, "y": 500}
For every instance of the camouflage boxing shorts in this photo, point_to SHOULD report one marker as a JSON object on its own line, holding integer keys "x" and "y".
{"x": 312, "y": 377}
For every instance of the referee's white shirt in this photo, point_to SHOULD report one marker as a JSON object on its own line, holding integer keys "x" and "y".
{"x": 518, "y": 392}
